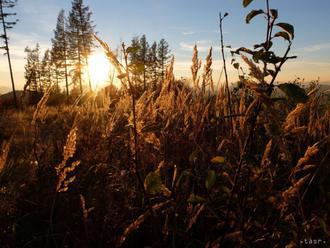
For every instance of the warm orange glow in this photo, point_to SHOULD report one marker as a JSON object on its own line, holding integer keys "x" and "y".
{"x": 99, "y": 70}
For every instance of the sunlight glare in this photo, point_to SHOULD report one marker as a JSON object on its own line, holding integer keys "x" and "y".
{"x": 99, "y": 70}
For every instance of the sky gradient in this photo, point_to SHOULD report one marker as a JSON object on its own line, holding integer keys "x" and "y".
{"x": 182, "y": 23}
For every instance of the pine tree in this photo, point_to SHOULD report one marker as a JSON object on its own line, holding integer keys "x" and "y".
{"x": 46, "y": 71}
{"x": 80, "y": 30}
{"x": 143, "y": 53}
{"x": 59, "y": 51}
{"x": 134, "y": 51}
{"x": 32, "y": 68}
{"x": 7, "y": 4}
{"x": 153, "y": 63}
{"x": 163, "y": 56}
{"x": 138, "y": 55}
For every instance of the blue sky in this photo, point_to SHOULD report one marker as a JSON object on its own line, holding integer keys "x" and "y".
{"x": 182, "y": 23}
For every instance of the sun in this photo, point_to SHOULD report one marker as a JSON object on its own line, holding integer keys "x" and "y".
{"x": 99, "y": 70}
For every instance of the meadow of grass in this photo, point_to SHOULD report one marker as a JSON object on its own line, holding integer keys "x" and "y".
{"x": 180, "y": 164}
{"x": 166, "y": 172}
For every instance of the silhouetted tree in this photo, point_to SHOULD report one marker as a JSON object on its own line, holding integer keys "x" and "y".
{"x": 134, "y": 51}
{"x": 46, "y": 71}
{"x": 163, "y": 56}
{"x": 32, "y": 68}
{"x": 143, "y": 53}
{"x": 148, "y": 62}
{"x": 153, "y": 63}
{"x": 80, "y": 30}
{"x": 4, "y": 13}
{"x": 59, "y": 51}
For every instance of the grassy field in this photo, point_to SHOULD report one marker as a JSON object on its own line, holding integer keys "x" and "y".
{"x": 169, "y": 172}
{"x": 171, "y": 163}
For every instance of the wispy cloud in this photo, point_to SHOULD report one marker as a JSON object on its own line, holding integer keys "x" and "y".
{"x": 18, "y": 43}
{"x": 194, "y": 32}
{"x": 309, "y": 64}
{"x": 188, "y": 32}
{"x": 315, "y": 47}
{"x": 202, "y": 45}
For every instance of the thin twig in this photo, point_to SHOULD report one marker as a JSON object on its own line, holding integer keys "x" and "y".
{"x": 225, "y": 71}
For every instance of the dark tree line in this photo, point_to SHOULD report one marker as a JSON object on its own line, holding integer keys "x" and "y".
{"x": 73, "y": 43}
{"x": 149, "y": 62}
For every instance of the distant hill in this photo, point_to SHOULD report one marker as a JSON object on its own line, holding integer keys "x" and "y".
{"x": 7, "y": 100}
{"x": 324, "y": 87}
{"x": 4, "y": 89}
{"x": 9, "y": 95}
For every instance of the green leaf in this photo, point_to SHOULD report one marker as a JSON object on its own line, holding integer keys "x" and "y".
{"x": 294, "y": 92}
{"x": 218, "y": 160}
{"x": 242, "y": 49}
{"x": 284, "y": 35}
{"x": 267, "y": 57}
{"x": 225, "y": 190}
{"x": 236, "y": 65}
{"x": 196, "y": 199}
{"x": 193, "y": 157}
{"x": 252, "y": 14}
{"x": 153, "y": 183}
{"x": 246, "y": 3}
{"x": 274, "y": 13}
{"x": 210, "y": 179}
{"x": 287, "y": 28}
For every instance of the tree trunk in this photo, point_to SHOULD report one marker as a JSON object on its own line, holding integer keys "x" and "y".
{"x": 79, "y": 64}
{"x": 8, "y": 55}
{"x": 66, "y": 70}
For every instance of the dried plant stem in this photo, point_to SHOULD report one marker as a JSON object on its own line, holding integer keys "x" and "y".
{"x": 226, "y": 74}
{"x": 253, "y": 119}
{"x": 136, "y": 155}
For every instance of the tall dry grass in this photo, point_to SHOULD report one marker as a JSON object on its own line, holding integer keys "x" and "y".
{"x": 176, "y": 139}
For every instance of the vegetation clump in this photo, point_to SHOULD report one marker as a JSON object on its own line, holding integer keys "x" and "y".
{"x": 166, "y": 163}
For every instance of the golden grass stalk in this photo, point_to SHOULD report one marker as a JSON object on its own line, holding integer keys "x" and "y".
{"x": 294, "y": 189}
{"x": 292, "y": 118}
{"x": 138, "y": 221}
{"x": 266, "y": 156}
{"x": 63, "y": 171}
{"x": 85, "y": 210}
{"x": 41, "y": 110}
{"x": 169, "y": 75}
{"x": 4, "y": 153}
{"x": 196, "y": 65}
{"x": 114, "y": 61}
{"x": 310, "y": 152}
{"x": 198, "y": 210}
{"x": 207, "y": 74}
{"x": 255, "y": 71}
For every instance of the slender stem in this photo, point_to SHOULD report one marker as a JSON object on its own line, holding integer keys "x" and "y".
{"x": 268, "y": 36}
{"x": 8, "y": 54}
{"x": 254, "y": 118}
{"x": 136, "y": 160}
{"x": 66, "y": 64}
{"x": 226, "y": 75}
